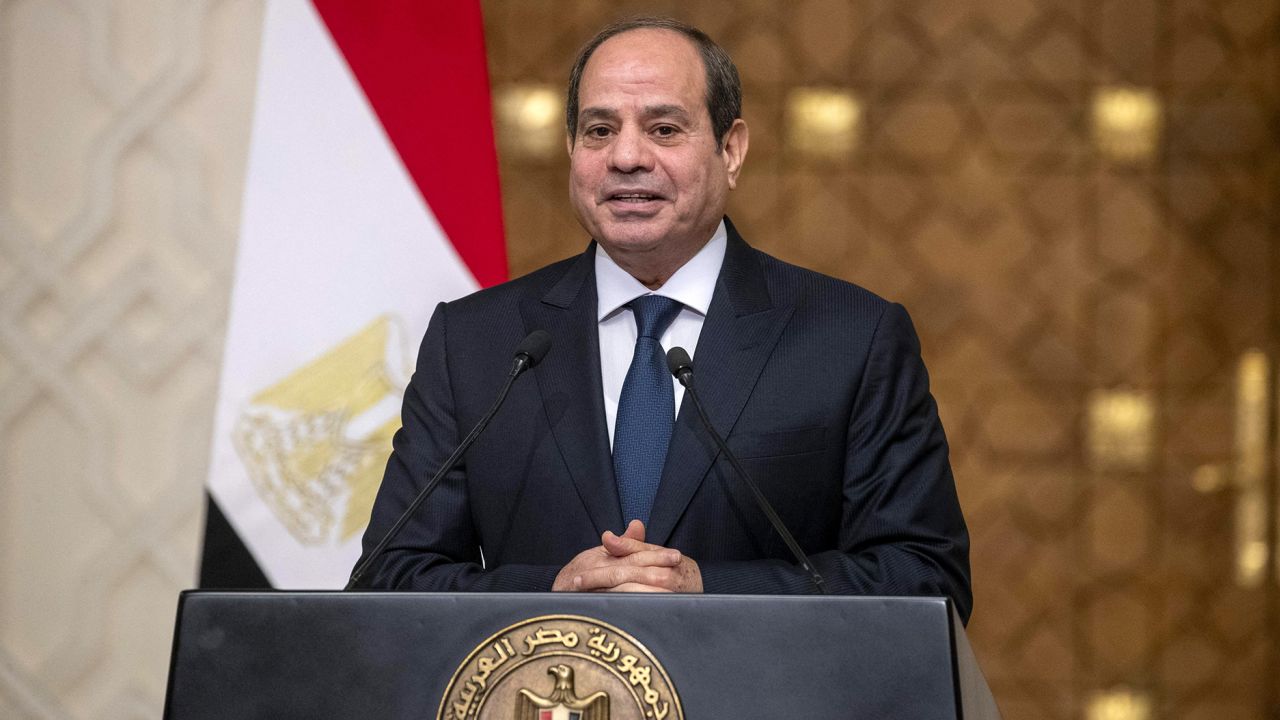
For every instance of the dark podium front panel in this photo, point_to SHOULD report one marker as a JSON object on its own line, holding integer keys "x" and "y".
{"x": 569, "y": 656}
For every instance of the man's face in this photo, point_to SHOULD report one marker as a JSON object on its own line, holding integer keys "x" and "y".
{"x": 644, "y": 172}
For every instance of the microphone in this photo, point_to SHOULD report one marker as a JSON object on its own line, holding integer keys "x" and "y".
{"x": 528, "y": 353}
{"x": 682, "y": 368}
{"x": 531, "y": 350}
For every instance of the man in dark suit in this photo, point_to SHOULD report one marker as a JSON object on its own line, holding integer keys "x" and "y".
{"x": 597, "y": 476}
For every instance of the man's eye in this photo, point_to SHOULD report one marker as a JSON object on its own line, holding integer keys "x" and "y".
{"x": 665, "y": 131}
{"x": 598, "y": 131}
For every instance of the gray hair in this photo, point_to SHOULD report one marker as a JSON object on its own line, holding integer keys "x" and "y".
{"x": 724, "y": 89}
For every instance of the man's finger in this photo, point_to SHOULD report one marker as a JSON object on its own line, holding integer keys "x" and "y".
{"x": 591, "y": 557}
{"x": 637, "y": 587}
{"x": 635, "y": 531}
{"x": 619, "y": 574}
{"x": 631, "y": 540}
{"x": 661, "y": 557}
{"x": 625, "y": 545}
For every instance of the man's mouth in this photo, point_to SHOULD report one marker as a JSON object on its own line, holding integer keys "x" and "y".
{"x": 634, "y": 197}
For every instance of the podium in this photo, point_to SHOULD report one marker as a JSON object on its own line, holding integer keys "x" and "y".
{"x": 567, "y": 656}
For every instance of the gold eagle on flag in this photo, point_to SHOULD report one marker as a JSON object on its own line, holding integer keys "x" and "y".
{"x": 563, "y": 703}
{"x": 315, "y": 443}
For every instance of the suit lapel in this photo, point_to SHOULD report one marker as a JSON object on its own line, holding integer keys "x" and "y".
{"x": 569, "y": 381}
{"x": 742, "y": 326}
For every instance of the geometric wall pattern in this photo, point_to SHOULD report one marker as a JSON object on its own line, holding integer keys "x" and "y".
{"x": 123, "y": 136}
{"x": 1041, "y": 275}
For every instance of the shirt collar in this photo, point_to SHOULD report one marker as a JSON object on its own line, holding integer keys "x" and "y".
{"x": 692, "y": 285}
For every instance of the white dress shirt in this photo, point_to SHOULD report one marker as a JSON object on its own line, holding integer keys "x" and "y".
{"x": 692, "y": 285}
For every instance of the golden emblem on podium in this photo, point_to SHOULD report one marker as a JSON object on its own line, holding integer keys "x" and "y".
{"x": 562, "y": 704}
{"x": 560, "y": 667}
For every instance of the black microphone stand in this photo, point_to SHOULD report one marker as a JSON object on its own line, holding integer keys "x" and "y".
{"x": 682, "y": 367}
{"x": 528, "y": 354}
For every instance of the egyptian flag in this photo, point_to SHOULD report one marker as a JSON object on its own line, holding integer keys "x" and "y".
{"x": 372, "y": 194}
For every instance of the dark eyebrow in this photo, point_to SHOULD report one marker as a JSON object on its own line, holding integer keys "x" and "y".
{"x": 671, "y": 111}
{"x": 653, "y": 111}
{"x": 596, "y": 113}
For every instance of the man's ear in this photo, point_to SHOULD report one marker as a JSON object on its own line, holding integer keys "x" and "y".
{"x": 735, "y": 150}
{"x": 568, "y": 143}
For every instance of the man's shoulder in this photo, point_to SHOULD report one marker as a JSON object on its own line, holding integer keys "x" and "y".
{"x": 834, "y": 314}
{"x": 794, "y": 284}
{"x": 533, "y": 285}
{"x": 798, "y": 286}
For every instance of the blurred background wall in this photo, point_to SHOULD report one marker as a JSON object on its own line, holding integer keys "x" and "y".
{"x": 1077, "y": 200}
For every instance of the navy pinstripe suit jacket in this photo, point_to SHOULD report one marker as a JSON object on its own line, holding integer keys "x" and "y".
{"x": 817, "y": 384}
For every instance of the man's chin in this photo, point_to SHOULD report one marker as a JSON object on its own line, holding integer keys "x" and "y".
{"x": 632, "y": 237}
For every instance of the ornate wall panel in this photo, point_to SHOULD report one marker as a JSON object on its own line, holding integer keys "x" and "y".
{"x": 123, "y": 132}
{"x": 1088, "y": 280}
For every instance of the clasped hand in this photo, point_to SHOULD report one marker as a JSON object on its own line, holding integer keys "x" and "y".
{"x": 627, "y": 563}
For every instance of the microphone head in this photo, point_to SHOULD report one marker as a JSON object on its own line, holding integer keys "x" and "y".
{"x": 534, "y": 347}
{"x": 678, "y": 362}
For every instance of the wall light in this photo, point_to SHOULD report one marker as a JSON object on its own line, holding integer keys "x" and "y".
{"x": 530, "y": 119}
{"x": 1120, "y": 430}
{"x": 823, "y": 122}
{"x": 1127, "y": 123}
{"x": 1252, "y": 404}
{"x": 1119, "y": 703}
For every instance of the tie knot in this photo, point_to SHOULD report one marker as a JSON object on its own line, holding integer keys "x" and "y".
{"x": 653, "y": 314}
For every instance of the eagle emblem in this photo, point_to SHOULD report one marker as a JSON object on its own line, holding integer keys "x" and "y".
{"x": 563, "y": 702}
{"x": 315, "y": 444}
{"x": 501, "y": 677}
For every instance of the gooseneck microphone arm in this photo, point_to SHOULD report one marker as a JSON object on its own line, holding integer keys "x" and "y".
{"x": 529, "y": 353}
{"x": 682, "y": 368}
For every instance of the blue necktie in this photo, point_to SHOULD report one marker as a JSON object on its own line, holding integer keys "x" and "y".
{"x": 646, "y": 410}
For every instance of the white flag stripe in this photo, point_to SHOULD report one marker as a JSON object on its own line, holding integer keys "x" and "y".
{"x": 334, "y": 234}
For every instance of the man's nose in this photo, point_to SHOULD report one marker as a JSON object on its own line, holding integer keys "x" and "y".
{"x": 631, "y": 152}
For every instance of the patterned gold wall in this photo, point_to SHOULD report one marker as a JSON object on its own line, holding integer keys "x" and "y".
{"x": 1085, "y": 277}
{"x": 1087, "y": 307}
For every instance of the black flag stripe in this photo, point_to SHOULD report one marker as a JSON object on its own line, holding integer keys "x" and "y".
{"x": 225, "y": 562}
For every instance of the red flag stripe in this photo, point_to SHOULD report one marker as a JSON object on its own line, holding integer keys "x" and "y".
{"x": 422, "y": 66}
